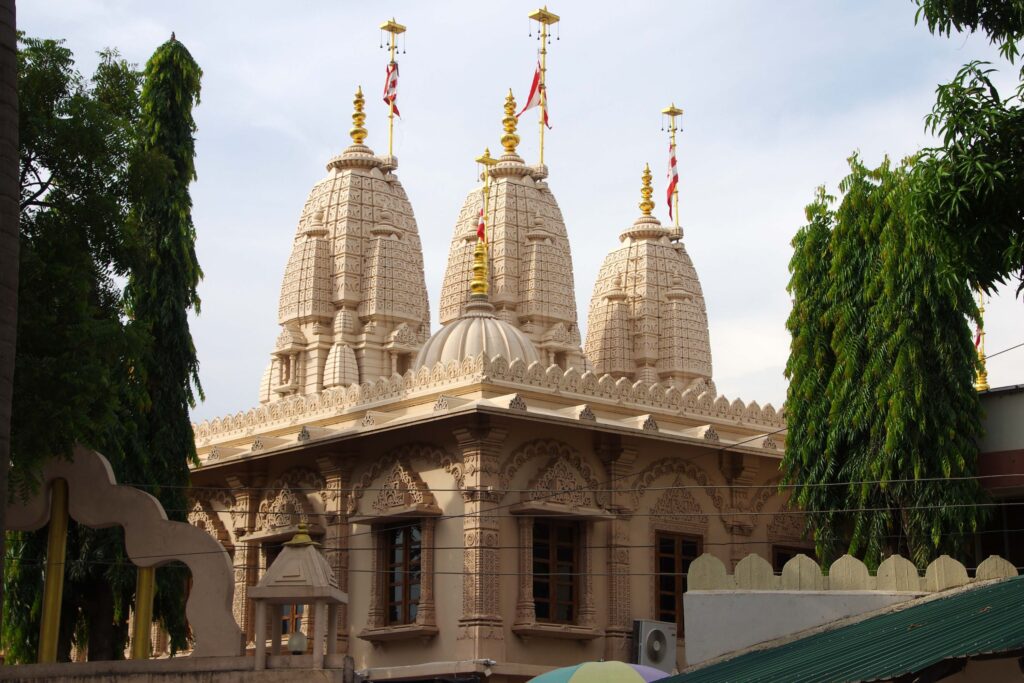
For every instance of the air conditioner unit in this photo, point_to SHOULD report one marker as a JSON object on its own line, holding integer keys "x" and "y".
{"x": 654, "y": 644}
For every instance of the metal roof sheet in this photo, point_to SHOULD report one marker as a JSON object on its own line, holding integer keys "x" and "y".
{"x": 971, "y": 622}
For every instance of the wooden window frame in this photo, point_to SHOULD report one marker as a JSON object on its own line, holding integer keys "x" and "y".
{"x": 407, "y": 607}
{"x": 679, "y": 571}
{"x": 551, "y": 578}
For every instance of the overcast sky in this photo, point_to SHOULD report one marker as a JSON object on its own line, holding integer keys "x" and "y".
{"x": 777, "y": 95}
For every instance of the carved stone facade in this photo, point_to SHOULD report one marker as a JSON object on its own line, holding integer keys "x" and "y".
{"x": 531, "y": 275}
{"x": 647, "y": 316}
{"x": 353, "y": 301}
{"x": 369, "y": 428}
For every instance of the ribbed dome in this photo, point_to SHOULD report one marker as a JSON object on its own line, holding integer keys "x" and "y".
{"x": 476, "y": 331}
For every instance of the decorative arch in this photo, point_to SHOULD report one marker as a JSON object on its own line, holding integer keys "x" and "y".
{"x": 287, "y": 502}
{"x": 407, "y": 454}
{"x": 203, "y": 515}
{"x": 680, "y": 509}
{"x": 554, "y": 451}
{"x": 679, "y": 467}
{"x": 402, "y": 487}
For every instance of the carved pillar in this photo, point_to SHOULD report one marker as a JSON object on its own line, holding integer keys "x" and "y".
{"x": 337, "y": 473}
{"x": 526, "y": 611}
{"x": 620, "y": 463}
{"x": 740, "y": 472}
{"x": 247, "y": 554}
{"x": 480, "y": 629}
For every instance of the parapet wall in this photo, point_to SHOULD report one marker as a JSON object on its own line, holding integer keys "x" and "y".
{"x": 725, "y": 612}
{"x": 895, "y": 574}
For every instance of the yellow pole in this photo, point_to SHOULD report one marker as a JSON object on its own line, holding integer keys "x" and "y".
{"x": 145, "y": 588}
{"x": 672, "y": 111}
{"x": 543, "y": 78}
{"x": 479, "y": 285}
{"x": 393, "y": 28}
{"x": 545, "y": 19}
{"x": 981, "y": 381}
{"x": 53, "y": 588}
{"x": 391, "y": 107}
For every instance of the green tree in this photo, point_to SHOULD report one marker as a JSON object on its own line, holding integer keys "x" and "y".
{"x": 72, "y": 370}
{"x": 9, "y": 197}
{"x": 973, "y": 185}
{"x": 105, "y": 169}
{"x": 891, "y": 398}
{"x": 161, "y": 291}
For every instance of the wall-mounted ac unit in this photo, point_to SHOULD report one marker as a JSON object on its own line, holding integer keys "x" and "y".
{"x": 654, "y": 644}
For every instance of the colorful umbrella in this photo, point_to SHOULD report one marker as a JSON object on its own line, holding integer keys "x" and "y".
{"x": 602, "y": 672}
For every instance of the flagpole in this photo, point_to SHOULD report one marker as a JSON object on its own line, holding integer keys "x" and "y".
{"x": 545, "y": 19}
{"x": 672, "y": 111}
{"x": 486, "y": 161}
{"x": 981, "y": 381}
{"x": 394, "y": 29}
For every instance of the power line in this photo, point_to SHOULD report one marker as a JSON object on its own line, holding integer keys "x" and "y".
{"x": 1011, "y": 348}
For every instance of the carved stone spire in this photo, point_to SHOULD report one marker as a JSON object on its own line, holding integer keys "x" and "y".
{"x": 647, "y": 319}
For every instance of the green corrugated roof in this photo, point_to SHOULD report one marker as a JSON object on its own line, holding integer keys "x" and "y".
{"x": 966, "y": 623}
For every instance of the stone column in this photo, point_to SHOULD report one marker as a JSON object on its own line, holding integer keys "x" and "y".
{"x": 620, "y": 463}
{"x": 247, "y": 495}
{"x": 337, "y": 473}
{"x": 481, "y": 633}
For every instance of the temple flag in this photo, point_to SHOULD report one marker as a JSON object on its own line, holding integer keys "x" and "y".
{"x": 480, "y": 232}
{"x": 977, "y": 339}
{"x": 538, "y": 97}
{"x": 391, "y": 88}
{"x": 673, "y": 177}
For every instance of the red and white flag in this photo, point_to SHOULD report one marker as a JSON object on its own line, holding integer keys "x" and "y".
{"x": 673, "y": 177}
{"x": 480, "y": 233}
{"x": 538, "y": 97}
{"x": 977, "y": 339}
{"x": 391, "y": 88}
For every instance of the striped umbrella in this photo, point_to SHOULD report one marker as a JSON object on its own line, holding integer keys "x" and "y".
{"x": 602, "y": 672}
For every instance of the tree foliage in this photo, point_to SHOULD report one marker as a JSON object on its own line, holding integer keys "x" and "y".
{"x": 974, "y": 181}
{"x": 105, "y": 169}
{"x": 161, "y": 291}
{"x": 881, "y": 375}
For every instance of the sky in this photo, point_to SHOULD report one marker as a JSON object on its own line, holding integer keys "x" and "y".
{"x": 776, "y": 95}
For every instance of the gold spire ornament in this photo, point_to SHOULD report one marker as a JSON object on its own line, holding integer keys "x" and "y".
{"x": 358, "y": 133}
{"x": 673, "y": 112}
{"x": 478, "y": 285}
{"x": 646, "y": 191}
{"x": 981, "y": 381}
{"x": 510, "y": 140}
{"x": 545, "y": 19}
{"x": 394, "y": 29}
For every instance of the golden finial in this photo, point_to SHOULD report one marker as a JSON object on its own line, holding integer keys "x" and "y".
{"x": 301, "y": 537}
{"x": 478, "y": 286}
{"x": 358, "y": 133}
{"x": 509, "y": 140}
{"x": 646, "y": 205}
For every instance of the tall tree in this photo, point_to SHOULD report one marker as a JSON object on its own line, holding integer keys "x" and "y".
{"x": 9, "y": 196}
{"x": 885, "y": 413}
{"x": 72, "y": 380}
{"x": 974, "y": 181}
{"x": 162, "y": 290}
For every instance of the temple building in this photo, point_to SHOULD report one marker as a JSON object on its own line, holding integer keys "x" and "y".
{"x": 495, "y": 497}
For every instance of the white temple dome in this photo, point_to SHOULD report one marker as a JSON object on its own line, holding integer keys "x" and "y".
{"x": 478, "y": 330}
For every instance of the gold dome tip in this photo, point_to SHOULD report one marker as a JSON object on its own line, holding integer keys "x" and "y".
{"x": 646, "y": 191}
{"x": 510, "y": 140}
{"x": 358, "y": 133}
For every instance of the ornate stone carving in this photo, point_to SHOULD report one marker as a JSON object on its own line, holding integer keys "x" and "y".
{"x": 401, "y": 487}
{"x": 406, "y": 454}
{"x": 677, "y": 466}
{"x": 554, "y": 451}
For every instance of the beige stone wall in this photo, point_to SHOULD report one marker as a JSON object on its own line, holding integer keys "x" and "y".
{"x": 476, "y": 472}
